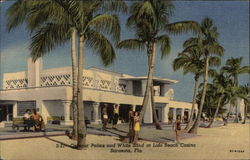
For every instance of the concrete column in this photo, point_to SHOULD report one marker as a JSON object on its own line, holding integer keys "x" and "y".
{"x": 143, "y": 86}
{"x": 164, "y": 88}
{"x": 134, "y": 107}
{"x": 96, "y": 112}
{"x": 14, "y": 109}
{"x": 189, "y": 113}
{"x": 40, "y": 109}
{"x": 182, "y": 112}
{"x": 66, "y": 106}
{"x": 165, "y": 114}
{"x": 33, "y": 72}
{"x": 66, "y": 109}
{"x": 174, "y": 113}
{"x": 242, "y": 109}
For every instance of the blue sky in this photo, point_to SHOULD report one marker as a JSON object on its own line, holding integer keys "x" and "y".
{"x": 230, "y": 17}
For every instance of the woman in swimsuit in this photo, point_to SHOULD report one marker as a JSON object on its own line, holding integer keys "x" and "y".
{"x": 177, "y": 126}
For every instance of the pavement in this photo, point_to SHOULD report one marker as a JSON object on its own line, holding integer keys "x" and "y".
{"x": 167, "y": 134}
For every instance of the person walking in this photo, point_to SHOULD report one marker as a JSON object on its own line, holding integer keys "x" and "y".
{"x": 116, "y": 115}
{"x": 137, "y": 127}
{"x": 177, "y": 127}
{"x": 105, "y": 116}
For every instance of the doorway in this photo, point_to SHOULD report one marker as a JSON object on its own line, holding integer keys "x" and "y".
{"x": 6, "y": 112}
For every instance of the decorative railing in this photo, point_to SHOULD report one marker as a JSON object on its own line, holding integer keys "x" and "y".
{"x": 56, "y": 80}
{"x": 47, "y": 80}
{"x": 104, "y": 84}
{"x": 88, "y": 82}
{"x": 16, "y": 83}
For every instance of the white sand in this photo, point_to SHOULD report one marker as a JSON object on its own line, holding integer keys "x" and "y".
{"x": 214, "y": 143}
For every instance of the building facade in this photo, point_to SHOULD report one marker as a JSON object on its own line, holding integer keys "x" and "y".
{"x": 50, "y": 92}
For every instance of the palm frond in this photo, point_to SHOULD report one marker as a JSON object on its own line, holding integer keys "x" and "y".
{"x": 115, "y": 5}
{"x": 131, "y": 44}
{"x": 146, "y": 9}
{"x": 214, "y": 61}
{"x": 215, "y": 48}
{"x": 244, "y": 69}
{"x": 47, "y": 38}
{"x": 190, "y": 42}
{"x": 164, "y": 42}
{"x": 183, "y": 27}
{"x": 106, "y": 23}
{"x": 179, "y": 62}
{"x": 17, "y": 13}
{"x": 102, "y": 46}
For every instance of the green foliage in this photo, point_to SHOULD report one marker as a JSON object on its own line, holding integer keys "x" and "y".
{"x": 52, "y": 21}
{"x": 47, "y": 37}
{"x": 102, "y": 46}
{"x": 233, "y": 68}
{"x": 148, "y": 19}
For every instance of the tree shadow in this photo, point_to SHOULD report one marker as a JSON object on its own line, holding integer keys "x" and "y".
{"x": 168, "y": 139}
{"x": 121, "y": 131}
{"x": 61, "y": 143}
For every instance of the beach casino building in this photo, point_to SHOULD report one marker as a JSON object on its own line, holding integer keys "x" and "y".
{"x": 50, "y": 92}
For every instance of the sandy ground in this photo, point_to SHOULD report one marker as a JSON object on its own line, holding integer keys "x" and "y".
{"x": 227, "y": 142}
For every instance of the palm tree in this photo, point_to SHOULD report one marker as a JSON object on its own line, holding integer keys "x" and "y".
{"x": 221, "y": 84}
{"x": 245, "y": 90}
{"x": 190, "y": 59}
{"x": 233, "y": 69}
{"x": 148, "y": 19}
{"x": 21, "y": 11}
{"x": 208, "y": 45}
{"x": 90, "y": 27}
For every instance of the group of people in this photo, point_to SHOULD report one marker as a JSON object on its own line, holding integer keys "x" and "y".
{"x": 105, "y": 118}
{"x": 134, "y": 121}
{"x": 33, "y": 120}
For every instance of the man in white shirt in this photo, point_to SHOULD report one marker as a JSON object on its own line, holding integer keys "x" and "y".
{"x": 27, "y": 119}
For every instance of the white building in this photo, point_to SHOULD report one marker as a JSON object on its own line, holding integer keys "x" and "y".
{"x": 50, "y": 91}
{"x": 239, "y": 108}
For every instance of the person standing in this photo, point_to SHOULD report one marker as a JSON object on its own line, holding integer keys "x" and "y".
{"x": 177, "y": 126}
{"x": 105, "y": 116}
{"x": 116, "y": 115}
{"x": 136, "y": 127}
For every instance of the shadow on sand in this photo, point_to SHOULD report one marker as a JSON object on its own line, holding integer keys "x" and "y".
{"x": 61, "y": 143}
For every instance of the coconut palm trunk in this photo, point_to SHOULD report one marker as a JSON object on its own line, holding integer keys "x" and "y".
{"x": 228, "y": 114}
{"x": 151, "y": 61}
{"x": 156, "y": 121}
{"x": 196, "y": 124}
{"x": 215, "y": 113}
{"x": 74, "y": 83}
{"x": 245, "y": 113}
{"x": 81, "y": 128}
{"x": 196, "y": 85}
{"x": 236, "y": 120}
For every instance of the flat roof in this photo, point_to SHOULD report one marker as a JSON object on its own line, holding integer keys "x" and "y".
{"x": 157, "y": 79}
